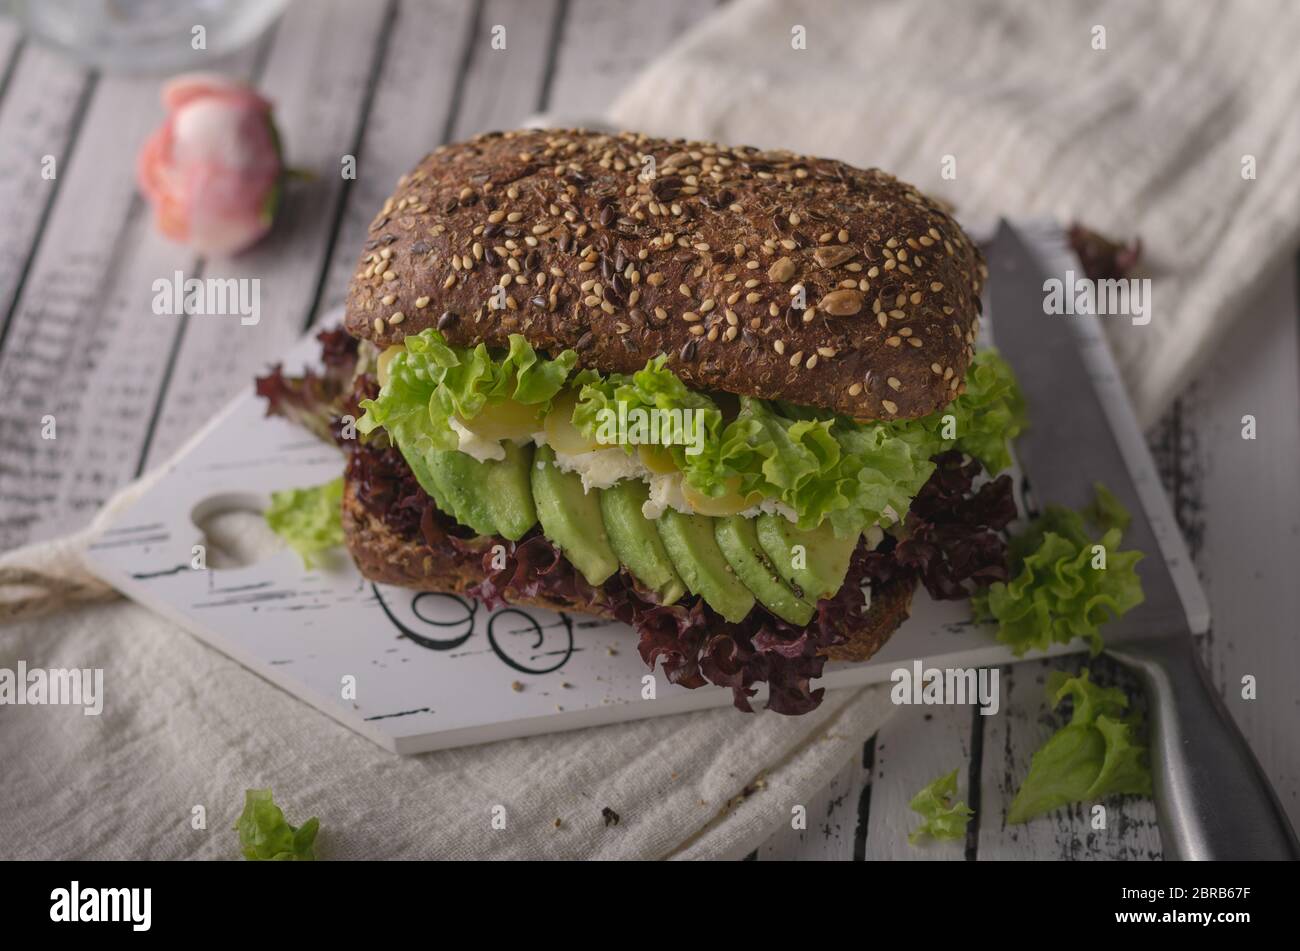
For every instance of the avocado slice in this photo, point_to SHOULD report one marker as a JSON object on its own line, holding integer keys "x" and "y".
{"x": 508, "y": 491}
{"x": 825, "y": 559}
{"x": 460, "y": 480}
{"x": 636, "y": 541}
{"x": 691, "y": 544}
{"x": 571, "y": 518}
{"x": 738, "y": 540}
{"x": 424, "y": 475}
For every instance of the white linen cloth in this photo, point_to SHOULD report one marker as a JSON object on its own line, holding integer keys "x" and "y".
{"x": 1146, "y": 137}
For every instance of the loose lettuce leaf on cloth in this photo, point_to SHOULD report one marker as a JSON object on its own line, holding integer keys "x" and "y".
{"x": 945, "y": 817}
{"x": 430, "y": 381}
{"x": 1096, "y": 754}
{"x": 265, "y": 836}
{"x": 309, "y": 520}
{"x": 1055, "y": 594}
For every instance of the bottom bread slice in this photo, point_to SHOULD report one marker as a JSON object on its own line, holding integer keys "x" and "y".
{"x": 384, "y": 556}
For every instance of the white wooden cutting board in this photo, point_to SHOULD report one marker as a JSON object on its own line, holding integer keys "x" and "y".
{"x": 431, "y": 671}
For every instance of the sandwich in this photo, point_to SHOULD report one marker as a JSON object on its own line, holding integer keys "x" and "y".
{"x": 730, "y": 397}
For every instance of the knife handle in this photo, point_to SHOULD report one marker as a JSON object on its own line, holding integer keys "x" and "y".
{"x": 1212, "y": 799}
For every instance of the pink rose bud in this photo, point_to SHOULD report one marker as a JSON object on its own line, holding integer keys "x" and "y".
{"x": 212, "y": 170}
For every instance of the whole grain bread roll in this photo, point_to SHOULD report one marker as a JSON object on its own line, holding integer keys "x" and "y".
{"x": 757, "y": 272}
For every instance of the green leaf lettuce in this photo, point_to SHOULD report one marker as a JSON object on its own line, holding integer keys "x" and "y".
{"x": 430, "y": 381}
{"x": 821, "y": 465}
{"x": 309, "y": 520}
{"x": 1055, "y": 594}
{"x": 265, "y": 836}
{"x": 1095, "y": 755}
{"x": 945, "y": 817}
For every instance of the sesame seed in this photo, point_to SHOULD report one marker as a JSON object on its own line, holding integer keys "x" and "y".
{"x": 779, "y": 346}
{"x": 379, "y": 325}
{"x": 915, "y": 341}
{"x": 894, "y": 383}
{"x": 388, "y": 299}
{"x": 855, "y": 389}
{"x": 893, "y": 341}
{"x": 396, "y": 319}
{"x": 936, "y": 287}
{"x": 389, "y": 275}
{"x": 421, "y": 303}
{"x": 890, "y": 407}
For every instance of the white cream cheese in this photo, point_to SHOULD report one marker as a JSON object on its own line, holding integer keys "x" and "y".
{"x": 665, "y": 493}
{"x": 771, "y": 507}
{"x": 601, "y": 468}
{"x": 474, "y": 445}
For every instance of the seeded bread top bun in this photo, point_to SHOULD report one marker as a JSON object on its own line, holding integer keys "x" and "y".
{"x": 759, "y": 273}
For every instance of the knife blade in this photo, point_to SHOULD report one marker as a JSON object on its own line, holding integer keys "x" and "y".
{"x": 1069, "y": 445}
{"x": 1213, "y": 800}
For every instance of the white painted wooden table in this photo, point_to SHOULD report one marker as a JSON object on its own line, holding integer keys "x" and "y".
{"x": 385, "y": 80}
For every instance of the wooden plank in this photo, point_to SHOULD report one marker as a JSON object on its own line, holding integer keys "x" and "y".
{"x": 502, "y": 87}
{"x": 318, "y": 74}
{"x": 1011, "y": 738}
{"x": 604, "y": 45}
{"x": 916, "y": 747}
{"x": 1245, "y": 523}
{"x": 81, "y": 331}
{"x": 831, "y": 822}
{"x": 425, "y": 52}
{"x": 11, "y": 41}
{"x": 44, "y": 93}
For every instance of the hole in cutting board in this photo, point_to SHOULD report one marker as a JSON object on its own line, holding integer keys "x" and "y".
{"x": 234, "y": 531}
